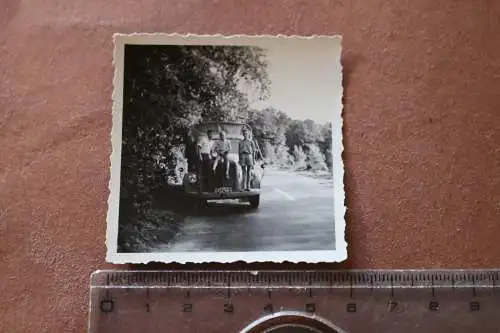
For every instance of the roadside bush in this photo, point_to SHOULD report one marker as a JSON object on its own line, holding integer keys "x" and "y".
{"x": 299, "y": 158}
{"x": 283, "y": 158}
{"x": 329, "y": 159}
{"x": 269, "y": 153}
{"x": 153, "y": 227}
{"x": 169, "y": 167}
{"x": 315, "y": 159}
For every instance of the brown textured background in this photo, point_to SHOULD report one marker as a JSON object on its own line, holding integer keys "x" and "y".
{"x": 422, "y": 134}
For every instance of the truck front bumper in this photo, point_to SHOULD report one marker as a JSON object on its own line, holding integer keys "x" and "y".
{"x": 225, "y": 195}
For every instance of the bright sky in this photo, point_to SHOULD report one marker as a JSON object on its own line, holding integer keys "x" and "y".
{"x": 305, "y": 77}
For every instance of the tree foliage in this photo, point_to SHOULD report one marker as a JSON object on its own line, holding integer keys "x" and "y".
{"x": 284, "y": 139}
{"x": 168, "y": 89}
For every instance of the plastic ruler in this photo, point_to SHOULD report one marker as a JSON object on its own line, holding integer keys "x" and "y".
{"x": 405, "y": 301}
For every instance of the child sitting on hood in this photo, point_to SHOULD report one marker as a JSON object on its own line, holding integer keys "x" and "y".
{"x": 220, "y": 151}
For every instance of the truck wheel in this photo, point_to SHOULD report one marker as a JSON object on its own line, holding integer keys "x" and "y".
{"x": 198, "y": 204}
{"x": 254, "y": 201}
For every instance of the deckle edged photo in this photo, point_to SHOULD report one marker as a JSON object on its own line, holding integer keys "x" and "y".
{"x": 226, "y": 148}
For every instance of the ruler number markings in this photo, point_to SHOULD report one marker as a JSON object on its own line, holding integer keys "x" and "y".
{"x": 106, "y": 305}
{"x": 391, "y": 305}
{"x": 474, "y": 306}
{"x": 229, "y": 308}
{"x": 310, "y": 307}
{"x": 268, "y": 308}
{"x": 476, "y": 283}
{"x": 434, "y": 305}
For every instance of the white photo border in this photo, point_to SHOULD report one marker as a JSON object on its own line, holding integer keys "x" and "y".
{"x": 112, "y": 220}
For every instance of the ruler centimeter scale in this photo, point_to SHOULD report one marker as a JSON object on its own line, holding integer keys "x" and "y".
{"x": 295, "y": 301}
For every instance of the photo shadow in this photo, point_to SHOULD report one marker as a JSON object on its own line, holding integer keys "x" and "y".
{"x": 223, "y": 209}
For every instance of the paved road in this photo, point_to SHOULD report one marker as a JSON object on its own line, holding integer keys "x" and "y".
{"x": 295, "y": 213}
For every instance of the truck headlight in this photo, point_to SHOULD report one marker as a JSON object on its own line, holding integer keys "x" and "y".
{"x": 192, "y": 178}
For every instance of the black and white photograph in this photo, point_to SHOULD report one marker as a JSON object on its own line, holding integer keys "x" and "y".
{"x": 225, "y": 149}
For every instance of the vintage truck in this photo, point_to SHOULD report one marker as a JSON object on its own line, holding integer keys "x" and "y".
{"x": 216, "y": 187}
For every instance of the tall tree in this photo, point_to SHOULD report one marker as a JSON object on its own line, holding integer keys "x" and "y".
{"x": 296, "y": 134}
